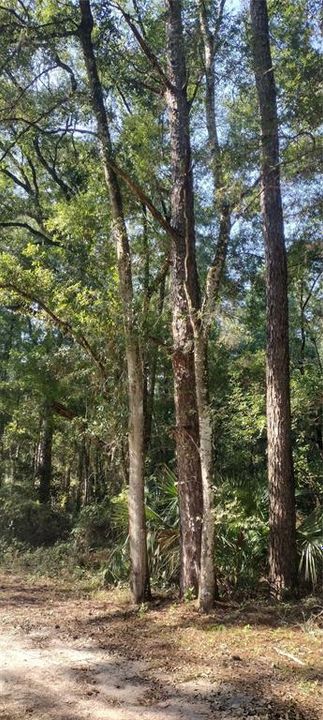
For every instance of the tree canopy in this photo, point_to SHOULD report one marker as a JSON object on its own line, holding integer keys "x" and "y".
{"x": 133, "y": 285}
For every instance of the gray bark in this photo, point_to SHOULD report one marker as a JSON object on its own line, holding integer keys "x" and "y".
{"x": 202, "y": 321}
{"x": 282, "y": 543}
{"x": 137, "y": 524}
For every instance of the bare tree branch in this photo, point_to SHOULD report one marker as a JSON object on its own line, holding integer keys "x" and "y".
{"x": 68, "y": 192}
{"x": 65, "y": 327}
{"x": 26, "y": 187}
{"x": 37, "y": 233}
{"x": 146, "y": 48}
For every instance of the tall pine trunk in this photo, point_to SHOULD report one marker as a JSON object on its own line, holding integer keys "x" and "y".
{"x": 183, "y": 273}
{"x": 282, "y": 543}
{"x": 137, "y": 523}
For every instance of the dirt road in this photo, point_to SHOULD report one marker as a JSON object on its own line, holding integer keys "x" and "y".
{"x": 65, "y": 657}
{"x": 44, "y": 678}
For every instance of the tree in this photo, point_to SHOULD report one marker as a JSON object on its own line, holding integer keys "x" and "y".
{"x": 175, "y": 106}
{"x": 282, "y": 517}
{"x": 184, "y": 277}
{"x": 202, "y": 318}
{"x": 137, "y": 525}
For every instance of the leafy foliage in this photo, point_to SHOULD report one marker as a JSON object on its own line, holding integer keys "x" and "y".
{"x": 61, "y": 335}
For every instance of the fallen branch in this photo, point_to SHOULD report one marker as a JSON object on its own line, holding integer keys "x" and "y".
{"x": 289, "y": 655}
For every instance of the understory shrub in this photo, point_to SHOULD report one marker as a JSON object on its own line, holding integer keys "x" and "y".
{"x": 24, "y": 519}
{"x": 93, "y": 526}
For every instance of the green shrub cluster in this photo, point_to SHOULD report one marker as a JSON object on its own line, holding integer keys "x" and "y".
{"x": 93, "y": 527}
{"x": 23, "y": 518}
{"x": 45, "y": 541}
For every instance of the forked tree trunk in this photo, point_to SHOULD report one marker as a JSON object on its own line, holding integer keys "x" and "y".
{"x": 137, "y": 523}
{"x": 183, "y": 271}
{"x": 282, "y": 543}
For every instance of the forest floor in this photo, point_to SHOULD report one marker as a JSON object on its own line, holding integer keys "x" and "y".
{"x": 71, "y": 655}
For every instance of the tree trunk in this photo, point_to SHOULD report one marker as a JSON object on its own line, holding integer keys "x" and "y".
{"x": 87, "y": 475}
{"x": 282, "y": 543}
{"x": 202, "y": 320}
{"x": 151, "y": 374}
{"x": 67, "y": 485}
{"x": 208, "y": 586}
{"x": 137, "y": 523}
{"x": 44, "y": 470}
{"x": 183, "y": 270}
{"x": 5, "y": 355}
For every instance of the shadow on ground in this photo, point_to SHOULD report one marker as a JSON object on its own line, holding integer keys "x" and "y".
{"x": 73, "y": 657}
{"x": 113, "y": 690}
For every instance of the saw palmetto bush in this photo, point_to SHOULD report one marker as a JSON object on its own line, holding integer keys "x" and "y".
{"x": 310, "y": 545}
{"x": 163, "y": 527}
{"x": 241, "y": 526}
{"x": 162, "y": 531}
{"x": 241, "y": 520}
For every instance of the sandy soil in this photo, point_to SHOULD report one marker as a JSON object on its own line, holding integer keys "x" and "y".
{"x": 70, "y": 657}
{"x": 45, "y": 678}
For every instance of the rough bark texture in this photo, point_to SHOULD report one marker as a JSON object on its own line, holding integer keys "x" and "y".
{"x": 44, "y": 469}
{"x": 183, "y": 270}
{"x": 137, "y": 526}
{"x": 282, "y": 544}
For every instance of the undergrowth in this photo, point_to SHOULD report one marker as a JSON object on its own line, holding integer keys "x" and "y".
{"x": 63, "y": 562}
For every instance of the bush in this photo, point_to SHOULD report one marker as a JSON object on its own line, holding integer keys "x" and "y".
{"x": 26, "y": 520}
{"x": 310, "y": 545}
{"x": 241, "y": 537}
{"x": 55, "y": 561}
{"x": 93, "y": 528}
